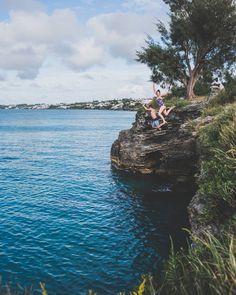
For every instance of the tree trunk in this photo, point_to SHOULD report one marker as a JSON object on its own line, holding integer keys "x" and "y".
{"x": 193, "y": 79}
{"x": 190, "y": 86}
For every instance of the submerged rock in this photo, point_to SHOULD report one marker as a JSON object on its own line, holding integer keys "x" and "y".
{"x": 170, "y": 152}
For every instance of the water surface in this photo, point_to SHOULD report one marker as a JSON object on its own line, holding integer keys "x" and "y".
{"x": 66, "y": 218}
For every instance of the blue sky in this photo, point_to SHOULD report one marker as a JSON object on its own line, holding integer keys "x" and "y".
{"x": 66, "y": 51}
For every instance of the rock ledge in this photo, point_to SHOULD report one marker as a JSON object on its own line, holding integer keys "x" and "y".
{"x": 167, "y": 153}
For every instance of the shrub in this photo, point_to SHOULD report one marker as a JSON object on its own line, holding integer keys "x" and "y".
{"x": 209, "y": 267}
{"x": 212, "y": 111}
{"x": 202, "y": 88}
{"x": 178, "y": 91}
{"x": 177, "y": 102}
{"x": 221, "y": 133}
{"x": 217, "y": 181}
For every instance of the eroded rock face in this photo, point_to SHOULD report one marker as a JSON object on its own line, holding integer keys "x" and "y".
{"x": 196, "y": 213}
{"x": 168, "y": 153}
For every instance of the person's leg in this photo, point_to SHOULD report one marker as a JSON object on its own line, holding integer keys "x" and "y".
{"x": 168, "y": 111}
{"x": 160, "y": 125}
{"x": 161, "y": 110}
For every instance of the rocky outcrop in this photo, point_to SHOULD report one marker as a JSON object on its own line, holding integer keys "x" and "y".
{"x": 170, "y": 152}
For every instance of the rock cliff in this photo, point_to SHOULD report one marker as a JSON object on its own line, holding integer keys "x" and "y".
{"x": 170, "y": 152}
{"x": 183, "y": 156}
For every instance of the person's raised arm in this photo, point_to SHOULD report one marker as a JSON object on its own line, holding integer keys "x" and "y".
{"x": 145, "y": 107}
{"x": 154, "y": 89}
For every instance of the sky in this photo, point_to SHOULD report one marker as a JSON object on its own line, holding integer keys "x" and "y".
{"x": 54, "y": 51}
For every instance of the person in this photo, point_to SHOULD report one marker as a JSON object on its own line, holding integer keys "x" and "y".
{"x": 155, "y": 123}
{"x": 162, "y": 108}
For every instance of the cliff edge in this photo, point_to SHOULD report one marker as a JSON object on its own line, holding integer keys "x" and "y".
{"x": 170, "y": 152}
{"x": 197, "y": 146}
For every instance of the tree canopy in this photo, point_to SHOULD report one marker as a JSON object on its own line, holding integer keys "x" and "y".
{"x": 198, "y": 42}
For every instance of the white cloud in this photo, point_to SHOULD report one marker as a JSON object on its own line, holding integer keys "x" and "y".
{"x": 40, "y": 28}
{"x": 70, "y": 60}
{"x": 28, "y": 74}
{"x": 20, "y": 57}
{"x": 28, "y": 5}
{"x": 85, "y": 54}
{"x": 130, "y": 90}
{"x": 3, "y": 77}
{"x": 29, "y": 38}
{"x": 117, "y": 79}
{"x": 121, "y": 33}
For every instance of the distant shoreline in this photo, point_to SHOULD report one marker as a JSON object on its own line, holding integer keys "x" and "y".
{"x": 125, "y": 104}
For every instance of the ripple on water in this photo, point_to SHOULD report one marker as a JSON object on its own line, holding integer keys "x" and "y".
{"x": 67, "y": 219}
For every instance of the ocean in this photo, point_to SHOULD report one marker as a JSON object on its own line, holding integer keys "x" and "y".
{"x": 67, "y": 219}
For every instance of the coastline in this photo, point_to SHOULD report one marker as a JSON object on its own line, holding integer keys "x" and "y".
{"x": 125, "y": 104}
{"x": 212, "y": 210}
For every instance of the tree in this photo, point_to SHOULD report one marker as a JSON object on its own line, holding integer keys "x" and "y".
{"x": 200, "y": 41}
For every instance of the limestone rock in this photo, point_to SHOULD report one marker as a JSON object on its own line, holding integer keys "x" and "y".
{"x": 170, "y": 152}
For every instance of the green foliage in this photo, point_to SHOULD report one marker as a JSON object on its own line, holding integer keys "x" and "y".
{"x": 209, "y": 267}
{"x": 178, "y": 91}
{"x": 202, "y": 88}
{"x": 43, "y": 288}
{"x": 230, "y": 88}
{"x": 200, "y": 40}
{"x": 221, "y": 132}
{"x": 212, "y": 110}
{"x": 177, "y": 102}
{"x": 154, "y": 103}
{"x": 171, "y": 101}
{"x": 217, "y": 181}
{"x": 144, "y": 288}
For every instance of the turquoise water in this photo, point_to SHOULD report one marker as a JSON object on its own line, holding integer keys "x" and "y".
{"x": 66, "y": 218}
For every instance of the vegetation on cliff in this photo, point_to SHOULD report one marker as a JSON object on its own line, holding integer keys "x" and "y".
{"x": 209, "y": 264}
{"x": 209, "y": 267}
{"x": 217, "y": 181}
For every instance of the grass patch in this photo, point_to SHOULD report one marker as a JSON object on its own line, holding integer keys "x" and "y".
{"x": 220, "y": 133}
{"x": 209, "y": 267}
{"x": 212, "y": 111}
{"x": 177, "y": 102}
{"x": 217, "y": 179}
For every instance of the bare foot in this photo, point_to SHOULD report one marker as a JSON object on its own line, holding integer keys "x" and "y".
{"x": 160, "y": 125}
